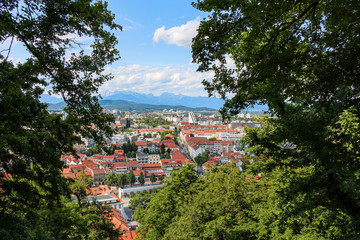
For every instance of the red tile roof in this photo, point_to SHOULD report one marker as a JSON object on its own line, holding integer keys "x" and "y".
{"x": 119, "y": 221}
{"x": 172, "y": 146}
{"x": 137, "y": 172}
{"x": 115, "y": 196}
{"x": 167, "y": 141}
{"x": 211, "y": 163}
{"x": 151, "y": 130}
{"x": 175, "y": 161}
{"x": 98, "y": 190}
{"x": 147, "y": 175}
{"x": 133, "y": 162}
{"x": 141, "y": 143}
{"x": 169, "y": 135}
{"x": 177, "y": 154}
{"x": 119, "y": 152}
{"x": 68, "y": 173}
{"x": 151, "y": 165}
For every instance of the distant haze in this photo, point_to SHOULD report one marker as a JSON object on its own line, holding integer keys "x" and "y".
{"x": 50, "y": 99}
{"x": 168, "y": 99}
{"x": 164, "y": 99}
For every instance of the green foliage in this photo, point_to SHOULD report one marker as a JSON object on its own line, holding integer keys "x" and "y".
{"x": 67, "y": 219}
{"x": 122, "y": 179}
{"x": 141, "y": 199}
{"x": 202, "y": 158}
{"x": 96, "y": 218}
{"x": 127, "y": 130}
{"x": 286, "y": 52}
{"x": 161, "y": 178}
{"x": 152, "y": 178}
{"x": 300, "y": 59}
{"x": 162, "y": 148}
{"x": 165, "y": 156}
{"x": 154, "y": 121}
{"x": 229, "y": 205}
{"x": 131, "y": 178}
{"x": 110, "y": 179}
{"x": 32, "y": 140}
{"x": 97, "y": 222}
{"x": 129, "y": 147}
{"x": 213, "y": 139}
{"x": 141, "y": 178}
{"x": 163, "y": 207}
{"x": 164, "y": 133}
{"x": 119, "y": 180}
{"x": 79, "y": 186}
{"x": 217, "y": 208}
{"x": 96, "y": 149}
{"x": 131, "y": 154}
{"x": 148, "y": 135}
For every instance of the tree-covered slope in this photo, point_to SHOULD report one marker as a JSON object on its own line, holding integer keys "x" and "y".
{"x": 123, "y": 105}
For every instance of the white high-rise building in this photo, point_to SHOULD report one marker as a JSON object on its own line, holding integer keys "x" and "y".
{"x": 192, "y": 118}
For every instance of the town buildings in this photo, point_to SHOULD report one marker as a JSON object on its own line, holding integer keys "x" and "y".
{"x": 179, "y": 146}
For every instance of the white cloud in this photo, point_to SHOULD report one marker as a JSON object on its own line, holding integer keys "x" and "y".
{"x": 230, "y": 63}
{"x": 16, "y": 61}
{"x": 156, "y": 80}
{"x": 129, "y": 20}
{"x": 180, "y": 36}
{"x": 129, "y": 24}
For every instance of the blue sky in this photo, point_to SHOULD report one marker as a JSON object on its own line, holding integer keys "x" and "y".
{"x": 140, "y": 20}
{"x": 155, "y": 48}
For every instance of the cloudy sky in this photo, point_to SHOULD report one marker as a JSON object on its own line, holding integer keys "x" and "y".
{"x": 155, "y": 48}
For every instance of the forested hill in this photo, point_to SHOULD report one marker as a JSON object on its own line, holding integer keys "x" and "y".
{"x": 123, "y": 105}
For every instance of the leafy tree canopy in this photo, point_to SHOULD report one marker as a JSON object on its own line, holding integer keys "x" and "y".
{"x": 202, "y": 158}
{"x": 31, "y": 139}
{"x": 129, "y": 147}
{"x": 141, "y": 178}
{"x": 301, "y": 58}
{"x": 141, "y": 199}
{"x": 216, "y": 208}
{"x": 79, "y": 186}
{"x": 284, "y": 54}
{"x": 154, "y": 121}
{"x": 163, "y": 207}
{"x": 131, "y": 177}
{"x": 119, "y": 180}
{"x": 152, "y": 178}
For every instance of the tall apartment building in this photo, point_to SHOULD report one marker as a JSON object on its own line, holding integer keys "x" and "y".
{"x": 192, "y": 118}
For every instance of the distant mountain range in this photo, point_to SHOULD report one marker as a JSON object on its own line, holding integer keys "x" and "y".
{"x": 123, "y": 105}
{"x": 49, "y": 99}
{"x": 168, "y": 99}
{"x": 155, "y": 102}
